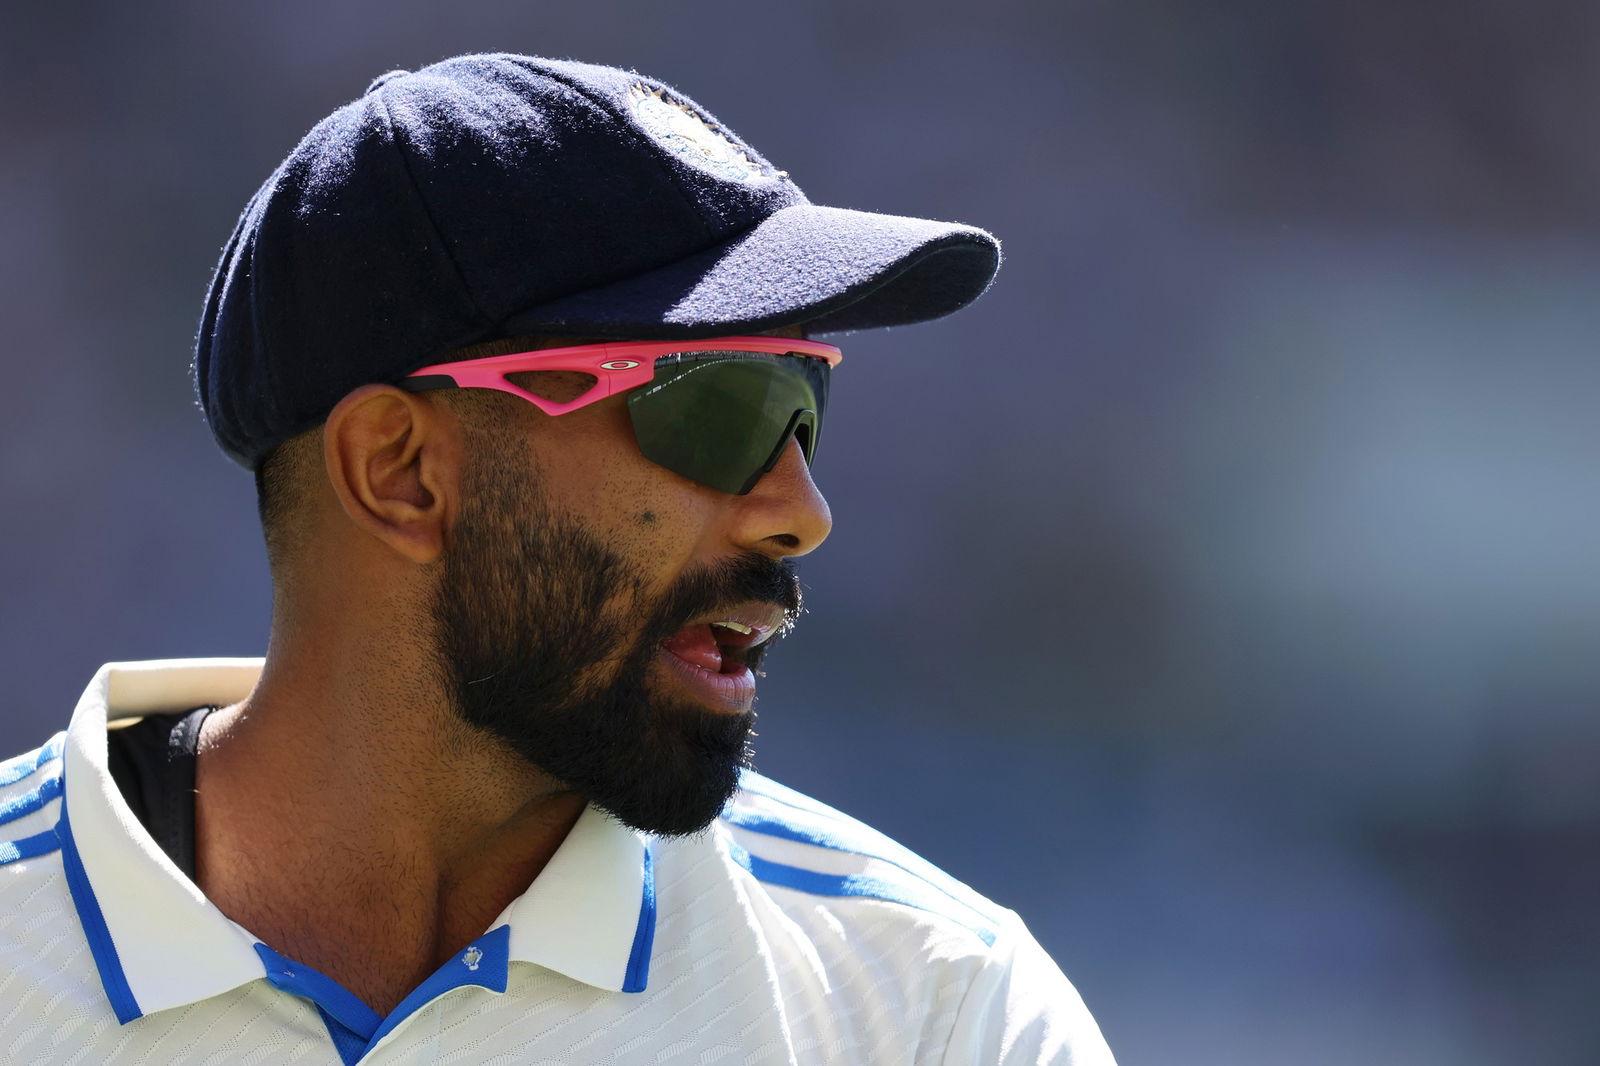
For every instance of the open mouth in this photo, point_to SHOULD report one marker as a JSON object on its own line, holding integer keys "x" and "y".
{"x": 725, "y": 646}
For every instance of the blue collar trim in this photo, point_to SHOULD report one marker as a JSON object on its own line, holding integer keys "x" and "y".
{"x": 350, "y": 1046}
{"x": 101, "y": 946}
{"x": 644, "y": 935}
{"x": 484, "y": 963}
{"x": 356, "y": 1028}
{"x": 329, "y": 995}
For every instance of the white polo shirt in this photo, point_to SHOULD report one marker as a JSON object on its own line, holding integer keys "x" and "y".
{"x": 789, "y": 933}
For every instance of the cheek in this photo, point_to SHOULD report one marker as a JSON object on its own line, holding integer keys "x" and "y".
{"x": 593, "y": 468}
{"x": 588, "y": 459}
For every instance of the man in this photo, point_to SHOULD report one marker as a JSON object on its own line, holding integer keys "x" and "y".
{"x": 518, "y": 351}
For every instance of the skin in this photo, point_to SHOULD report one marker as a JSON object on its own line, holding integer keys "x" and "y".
{"x": 345, "y": 815}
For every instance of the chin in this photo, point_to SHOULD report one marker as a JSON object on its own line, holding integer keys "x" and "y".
{"x": 678, "y": 782}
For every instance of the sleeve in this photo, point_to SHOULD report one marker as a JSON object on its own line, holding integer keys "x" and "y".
{"x": 1021, "y": 1010}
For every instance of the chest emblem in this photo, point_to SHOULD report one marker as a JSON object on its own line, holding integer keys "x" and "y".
{"x": 472, "y": 956}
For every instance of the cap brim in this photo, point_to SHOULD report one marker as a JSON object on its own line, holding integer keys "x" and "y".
{"x": 828, "y": 267}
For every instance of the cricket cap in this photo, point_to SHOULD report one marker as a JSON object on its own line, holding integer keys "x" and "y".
{"x": 502, "y": 195}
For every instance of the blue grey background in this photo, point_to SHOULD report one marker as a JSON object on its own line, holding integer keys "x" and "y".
{"x": 1221, "y": 591}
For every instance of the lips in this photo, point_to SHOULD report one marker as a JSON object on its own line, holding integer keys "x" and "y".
{"x": 716, "y": 653}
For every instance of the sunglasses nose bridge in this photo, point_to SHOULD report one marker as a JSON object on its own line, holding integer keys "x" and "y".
{"x": 803, "y": 427}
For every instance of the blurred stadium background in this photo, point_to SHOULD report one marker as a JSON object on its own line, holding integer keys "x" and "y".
{"x": 1222, "y": 592}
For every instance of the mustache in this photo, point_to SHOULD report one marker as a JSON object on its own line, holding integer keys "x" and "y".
{"x": 747, "y": 578}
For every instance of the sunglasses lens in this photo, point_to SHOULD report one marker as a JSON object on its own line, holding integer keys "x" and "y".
{"x": 722, "y": 418}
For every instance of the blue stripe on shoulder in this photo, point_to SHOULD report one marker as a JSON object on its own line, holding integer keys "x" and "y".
{"x": 14, "y": 807}
{"x": 15, "y": 769}
{"x": 817, "y": 824}
{"x": 31, "y": 800}
{"x": 29, "y": 847}
{"x": 916, "y": 894}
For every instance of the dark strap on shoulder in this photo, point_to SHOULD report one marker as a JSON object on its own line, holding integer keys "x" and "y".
{"x": 152, "y": 762}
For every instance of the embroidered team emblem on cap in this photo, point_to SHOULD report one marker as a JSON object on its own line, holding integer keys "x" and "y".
{"x": 679, "y": 129}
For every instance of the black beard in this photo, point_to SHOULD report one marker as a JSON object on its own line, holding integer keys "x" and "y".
{"x": 532, "y": 614}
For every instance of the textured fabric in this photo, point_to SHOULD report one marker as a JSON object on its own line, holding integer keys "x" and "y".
{"x": 879, "y": 959}
{"x": 494, "y": 195}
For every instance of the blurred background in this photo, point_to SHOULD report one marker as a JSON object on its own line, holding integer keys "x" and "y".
{"x": 1223, "y": 590}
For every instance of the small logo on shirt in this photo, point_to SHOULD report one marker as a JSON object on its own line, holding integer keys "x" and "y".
{"x": 472, "y": 956}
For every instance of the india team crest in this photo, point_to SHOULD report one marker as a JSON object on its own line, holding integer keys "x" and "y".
{"x": 681, "y": 130}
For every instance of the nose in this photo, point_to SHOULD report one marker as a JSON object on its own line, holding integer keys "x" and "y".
{"x": 785, "y": 514}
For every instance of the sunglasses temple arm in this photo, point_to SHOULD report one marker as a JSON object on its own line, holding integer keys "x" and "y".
{"x": 427, "y": 383}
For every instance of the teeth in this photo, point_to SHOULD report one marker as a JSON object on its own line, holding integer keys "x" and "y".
{"x": 735, "y": 626}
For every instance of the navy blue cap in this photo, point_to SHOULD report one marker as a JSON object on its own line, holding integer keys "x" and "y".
{"x": 502, "y": 195}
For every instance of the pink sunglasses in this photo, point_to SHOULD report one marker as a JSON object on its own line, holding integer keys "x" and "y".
{"x": 718, "y": 411}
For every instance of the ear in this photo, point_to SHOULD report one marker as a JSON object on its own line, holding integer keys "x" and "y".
{"x": 393, "y": 460}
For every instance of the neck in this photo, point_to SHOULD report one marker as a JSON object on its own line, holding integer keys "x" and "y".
{"x": 346, "y": 817}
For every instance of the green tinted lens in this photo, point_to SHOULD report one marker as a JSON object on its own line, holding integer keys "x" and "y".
{"x": 723, "y": 418}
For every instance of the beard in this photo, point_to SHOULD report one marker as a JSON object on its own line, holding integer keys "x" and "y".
{"x": 539, "y": 639}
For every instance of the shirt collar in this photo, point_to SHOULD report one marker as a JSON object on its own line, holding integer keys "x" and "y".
{"x": 591, "y": 912}
{"x": 159, "y": 943}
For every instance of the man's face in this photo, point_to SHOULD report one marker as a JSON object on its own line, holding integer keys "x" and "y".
{"x": 573, "y": 606}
